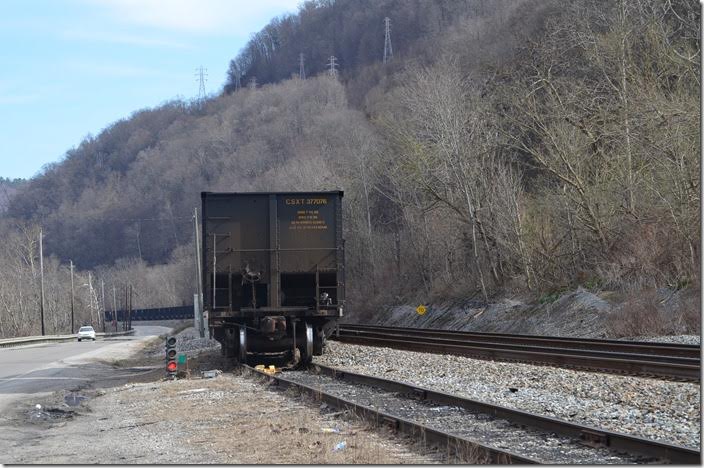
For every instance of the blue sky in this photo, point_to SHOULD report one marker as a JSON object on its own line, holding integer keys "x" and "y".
{"x": 70, "y": 68}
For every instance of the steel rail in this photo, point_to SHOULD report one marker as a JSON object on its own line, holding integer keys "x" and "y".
{"x": 588, "y": 434}
{"x": 638, "y": 347}
{"x": 642, "y": 364}
{"x": 455, "y": 445}
{"x": 533, "y": 347}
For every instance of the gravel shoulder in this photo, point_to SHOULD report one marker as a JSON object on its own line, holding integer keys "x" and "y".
{"x": 229, "y": 419}
{"x": 655, "y": 409}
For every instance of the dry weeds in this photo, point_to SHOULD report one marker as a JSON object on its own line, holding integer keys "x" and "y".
{"x": 240, "y": 421}
{"x": 645, "y": 314}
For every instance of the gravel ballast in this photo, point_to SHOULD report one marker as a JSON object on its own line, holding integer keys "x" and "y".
{"x": 655, "y": 409}
{"x": 536, "y": 444}
{"x": 677, "y": 339}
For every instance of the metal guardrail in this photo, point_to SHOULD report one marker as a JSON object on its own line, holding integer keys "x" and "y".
{"x": 10, "y": 342}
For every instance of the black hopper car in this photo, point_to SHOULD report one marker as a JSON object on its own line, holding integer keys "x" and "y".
{"x": 273, "y": 273}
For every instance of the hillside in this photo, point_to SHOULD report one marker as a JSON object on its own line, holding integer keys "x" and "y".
{"x": 510, "y": 147}
{"x": 8, "y": 189}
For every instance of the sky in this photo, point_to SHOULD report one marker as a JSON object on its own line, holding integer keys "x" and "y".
{"x": 70, "y": 68}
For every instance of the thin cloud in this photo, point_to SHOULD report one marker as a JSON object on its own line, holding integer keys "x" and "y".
{"x": 197, "y": 16}
{"x": 112, "y": 69}
{"x": 126, "y": 39}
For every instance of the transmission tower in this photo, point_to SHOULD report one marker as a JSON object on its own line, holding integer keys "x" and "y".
{"x": 388, "y": 50}
{"x": 301, "y": 67}
{"x": 237, "y": 75}
{"x": 332, "y": 66}
{"x": 201, "y": 77}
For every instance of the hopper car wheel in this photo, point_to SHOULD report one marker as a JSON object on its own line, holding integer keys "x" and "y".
{"x": 308, "y": 357}
{"x": 243, "y": 345}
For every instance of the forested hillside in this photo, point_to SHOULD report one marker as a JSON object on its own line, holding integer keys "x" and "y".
{"x": 8, "y": 189}
{"x": 513, "y": 146}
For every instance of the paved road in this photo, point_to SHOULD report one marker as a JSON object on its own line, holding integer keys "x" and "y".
{"x": 49, "y": 367}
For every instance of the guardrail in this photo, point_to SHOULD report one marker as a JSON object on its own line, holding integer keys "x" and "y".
{"x": 10, "y": 342}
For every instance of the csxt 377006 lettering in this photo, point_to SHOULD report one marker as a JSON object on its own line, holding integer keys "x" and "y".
{"x": 273, "y": 273}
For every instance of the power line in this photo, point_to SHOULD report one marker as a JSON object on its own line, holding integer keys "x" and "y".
{"x": 301, "y": 67}
{"x": 332, "y": 66}
{"x": 237, "y": 74}
{"x": 201, "y": 77}
{"x": 388, "y": 50}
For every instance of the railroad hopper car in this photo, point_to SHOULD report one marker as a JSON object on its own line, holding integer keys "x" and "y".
{"x": 273, "y": 273}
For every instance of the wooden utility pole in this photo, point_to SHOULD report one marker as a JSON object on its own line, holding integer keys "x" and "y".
{"x": 73, "y": 326}
{"x": 102, "y": 293}
{"x": 129, "y": 312}
{"x": 114, "y": 307}
{"x": 90, "y": 299}
{"x": 41, "y": 275}
{"x": 124, "y": 316}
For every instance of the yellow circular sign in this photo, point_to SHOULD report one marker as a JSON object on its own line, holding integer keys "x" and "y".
{"x": 421, "y": 310}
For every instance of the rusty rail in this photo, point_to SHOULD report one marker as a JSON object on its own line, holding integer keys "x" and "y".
{"x": 614, "y": 440}
{"x": 588, "y": 435}
{"x": 455, "y": 445}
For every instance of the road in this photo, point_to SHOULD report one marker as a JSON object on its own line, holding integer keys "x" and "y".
{"x": 38, "y": 369}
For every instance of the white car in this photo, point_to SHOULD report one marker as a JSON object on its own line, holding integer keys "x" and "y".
{"x": 86, "y": 333}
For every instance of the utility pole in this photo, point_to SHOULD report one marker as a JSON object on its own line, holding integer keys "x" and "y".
{"x": 301, "y": 67}
{"x": 199, "y": 273}
{"x": 139, "y": 235}
{"x": 332, "y": 66}
{"x": 114, "y": 307}
{"x": 73, "y": 327}
{"x": 102, "y": 293}
{"x": 129, "y": 311}
{"x": 215, "y": 260}
{"x": 202, "y": 77}
{"x": 41, "y": 274}
{"x": 388, "y": 50}
{"x": 124, "y": 315}
{"x": 90, "y": 299}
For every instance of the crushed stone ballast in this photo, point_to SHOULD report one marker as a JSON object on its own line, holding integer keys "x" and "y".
{"x": 521, "y": 436}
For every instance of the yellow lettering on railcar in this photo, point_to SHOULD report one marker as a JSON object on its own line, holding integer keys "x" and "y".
{"x": 306, "y": 201}
{"x": 307, "y": 220}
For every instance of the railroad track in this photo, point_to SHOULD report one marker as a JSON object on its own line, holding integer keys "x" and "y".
{"x": 662, "y": 360}
{"x": 472, "y": 431}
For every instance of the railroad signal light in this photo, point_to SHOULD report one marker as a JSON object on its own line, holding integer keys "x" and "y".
{"x": 171, "y": 366}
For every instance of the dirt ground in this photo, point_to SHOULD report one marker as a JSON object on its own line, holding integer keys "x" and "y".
{"x": 223, "y": 420}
